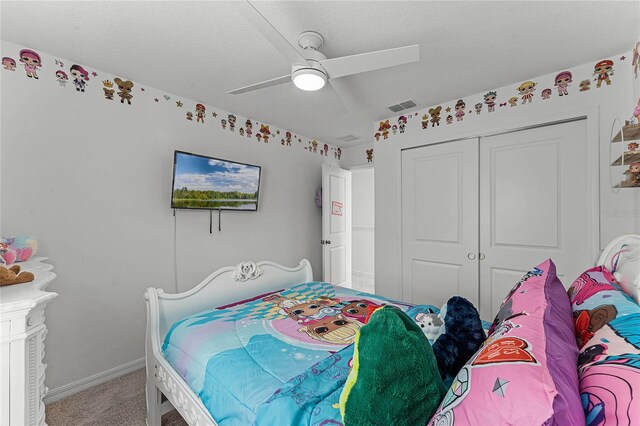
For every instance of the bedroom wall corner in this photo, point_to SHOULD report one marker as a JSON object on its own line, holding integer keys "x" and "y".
{"x": 358, "y": 155}
{"x": 90, "y": 177}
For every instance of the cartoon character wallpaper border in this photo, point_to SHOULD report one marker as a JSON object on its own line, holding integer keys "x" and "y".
{"x": 526, "y": 93}
{"x": 82, "y": 79}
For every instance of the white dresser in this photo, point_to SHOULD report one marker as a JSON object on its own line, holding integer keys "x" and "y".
{"x": 22, "y": 333}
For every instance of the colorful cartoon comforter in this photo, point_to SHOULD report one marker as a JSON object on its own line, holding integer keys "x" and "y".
{"x": 279, "y": 358}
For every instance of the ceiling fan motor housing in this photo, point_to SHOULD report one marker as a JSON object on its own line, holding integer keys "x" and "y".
{"x": 310, "y": 39}
{"x": 312, "y": 73}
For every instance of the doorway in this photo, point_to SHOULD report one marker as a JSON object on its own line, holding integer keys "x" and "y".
{"x": 348, "y": 227}
{"x": 363, "y": 229}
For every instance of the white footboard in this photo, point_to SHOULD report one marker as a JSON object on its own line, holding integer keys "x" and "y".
{"x": 226, "y": 285}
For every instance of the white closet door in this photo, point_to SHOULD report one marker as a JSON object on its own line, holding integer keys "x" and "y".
{"x": 440, "y": 222}
{"x": 534, "y": 204}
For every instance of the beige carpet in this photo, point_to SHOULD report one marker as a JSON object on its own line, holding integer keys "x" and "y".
{"x": 120, "y": 401}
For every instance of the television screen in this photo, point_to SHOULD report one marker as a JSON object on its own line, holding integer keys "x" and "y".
{"x": 201, "y": 182}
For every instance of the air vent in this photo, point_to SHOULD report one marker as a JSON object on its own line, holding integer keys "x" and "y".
{"x": 349, "y": 138}
{"x": 408, "y": 104}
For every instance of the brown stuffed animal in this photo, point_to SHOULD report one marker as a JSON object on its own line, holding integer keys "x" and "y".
{"x": 13, "y": 275}
{"x": 633, "y": 174}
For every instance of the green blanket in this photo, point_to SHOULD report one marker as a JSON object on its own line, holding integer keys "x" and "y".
{"x": 395, "y": 378}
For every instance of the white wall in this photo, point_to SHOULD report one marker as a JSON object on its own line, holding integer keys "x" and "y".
{"x": 607, "y": 102}
{"x": 362, "y": 225}
{"x": 91, "y": 179}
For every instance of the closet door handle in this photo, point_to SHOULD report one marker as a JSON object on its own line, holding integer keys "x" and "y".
{"x": 471, "y": 256}
{"x": 482, "y": 256}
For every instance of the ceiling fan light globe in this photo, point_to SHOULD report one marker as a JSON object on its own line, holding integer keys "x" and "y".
{"x": 309, "y": 79}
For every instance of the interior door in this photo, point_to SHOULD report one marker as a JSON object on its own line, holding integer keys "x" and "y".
{"x": 440, "y": 222}
{"x": 533, "y": 205}
{"x": 336, "y": 225}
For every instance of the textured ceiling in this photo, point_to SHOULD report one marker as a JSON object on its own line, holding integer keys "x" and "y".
{"x": 200, "y": 50}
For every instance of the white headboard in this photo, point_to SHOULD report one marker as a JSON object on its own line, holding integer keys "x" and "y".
{"x": 622, "y": 257}
{"x": 226, "y": 285}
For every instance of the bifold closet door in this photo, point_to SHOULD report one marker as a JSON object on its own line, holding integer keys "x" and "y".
{"x": 534, "y": 204}
{"x": 440, "y": 222}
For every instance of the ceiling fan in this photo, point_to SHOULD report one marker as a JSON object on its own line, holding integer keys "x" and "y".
{"x": 311, "y": 70}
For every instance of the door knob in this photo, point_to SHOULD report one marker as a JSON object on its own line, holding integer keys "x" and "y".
{"x": 481, "y": 256}
{"x": 471, "y": 256}
{"x": 328, "y": 242}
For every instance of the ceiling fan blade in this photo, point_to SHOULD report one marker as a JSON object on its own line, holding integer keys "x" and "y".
{"x": 273, "y": 82}
{"x": 344, "y": 103}
{"x": 363, "y": 62}
{"x": 269, "y": 32}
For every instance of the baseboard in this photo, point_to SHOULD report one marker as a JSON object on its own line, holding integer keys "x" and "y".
{"x": 91, "y": 381}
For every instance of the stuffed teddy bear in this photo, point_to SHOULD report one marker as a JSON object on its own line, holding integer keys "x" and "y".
{"x": 18, "y": 249}
{"x": 13, "y": 275}
{"x": 463, "y": 335}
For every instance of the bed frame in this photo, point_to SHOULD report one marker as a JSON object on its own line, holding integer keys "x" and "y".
{"x": 622, "y": 256}
{"x": 248, "y": 279}
{"x": 225, "y": 285}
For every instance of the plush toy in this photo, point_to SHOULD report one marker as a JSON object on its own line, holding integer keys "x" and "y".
{"x": 463, "y": 335}
{"x": 4, "y": 248}
{"x": 18, "y": 249}
{"x": 633, "y": 173}
{"x": 427, "y": 318}
{"x": 13, "y": 275}
{"x": 394, "y": 379}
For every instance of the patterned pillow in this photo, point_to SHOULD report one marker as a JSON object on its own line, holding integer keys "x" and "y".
{"x": 608, "y": 330}
{"x": 596, "y": 299}
{"x": 525, "y": 372}
{"x": 609, "y": 373}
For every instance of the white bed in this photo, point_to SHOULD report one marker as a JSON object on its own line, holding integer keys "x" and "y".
{"x": 248, "y": 279}
{"x": 225, "y": 285}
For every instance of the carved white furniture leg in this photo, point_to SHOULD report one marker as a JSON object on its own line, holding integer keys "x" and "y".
{"x": 22, "y": 333}
{"x": 153, "y": 395}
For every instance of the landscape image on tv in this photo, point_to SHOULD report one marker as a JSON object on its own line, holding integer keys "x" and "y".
{"x": 201, "y": 182}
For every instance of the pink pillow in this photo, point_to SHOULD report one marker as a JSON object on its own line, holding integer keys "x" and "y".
{"x": 609, "y": 373}
{"x": 525, "y": 372}
{"x": 596, "y": 299}
{"x": 608, "y": 330}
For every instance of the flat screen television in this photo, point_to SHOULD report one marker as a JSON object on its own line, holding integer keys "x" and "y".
{"x": 201, "y": 182}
